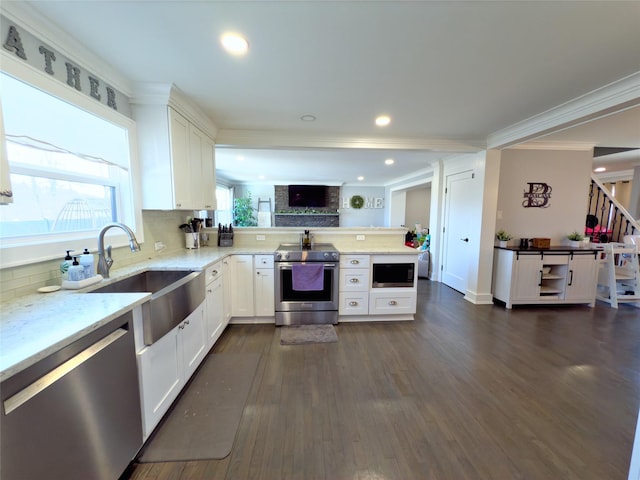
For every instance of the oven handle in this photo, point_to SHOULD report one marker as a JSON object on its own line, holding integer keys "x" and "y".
{"x": 289, "y": 266}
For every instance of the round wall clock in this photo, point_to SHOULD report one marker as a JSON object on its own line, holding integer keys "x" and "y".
{"x": 356, "y": 202}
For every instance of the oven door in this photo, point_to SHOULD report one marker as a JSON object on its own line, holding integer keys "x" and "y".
{"x": 289, "y": 300}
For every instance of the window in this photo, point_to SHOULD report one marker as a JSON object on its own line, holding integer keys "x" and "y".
{"x": 224, "y": 200}
{"x": 71, "y": 174}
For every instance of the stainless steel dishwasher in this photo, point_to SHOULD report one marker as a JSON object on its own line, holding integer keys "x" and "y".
{"x": 75, "y": 414}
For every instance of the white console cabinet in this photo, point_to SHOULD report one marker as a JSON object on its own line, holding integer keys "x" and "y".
{"x": 554, "y": 275}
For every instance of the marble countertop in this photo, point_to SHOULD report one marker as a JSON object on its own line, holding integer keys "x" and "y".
{"x": 35, "y": 326}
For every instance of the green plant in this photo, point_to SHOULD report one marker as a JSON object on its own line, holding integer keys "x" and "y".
{"x": 243, "y": 215}
{"x": 575, "y": 236}
{"x": 503, "y": 236}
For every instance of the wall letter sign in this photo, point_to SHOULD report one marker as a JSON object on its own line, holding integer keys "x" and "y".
{"x": 538, "y": 195}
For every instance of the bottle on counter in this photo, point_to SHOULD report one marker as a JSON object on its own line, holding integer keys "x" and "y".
{"x": 86, "y": 260}
{"x": 65, "y": 265}
{"x": 76, "y": 271}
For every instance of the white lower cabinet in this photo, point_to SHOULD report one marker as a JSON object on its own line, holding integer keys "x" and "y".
{"x": 392, "y": 302}
{"x": 545, "y": 276}
{"x": 166, "y": 366}
{"x": 215, "y": 316}
{"x": 241, "y": 285}
{"x": 264, "y": 286}
{"x": 354, "y": 285}
{"x": 226, "y": 285}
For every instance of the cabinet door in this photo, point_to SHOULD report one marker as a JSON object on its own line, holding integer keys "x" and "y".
{"x": 264, "y": 292}
{"x": 193, "y": 339}
{"x": 242, "y": 286}
{"x": 528, "y": 274}
{"x": 180, "y": 161}
{"x": 214, "y": 311}
{"x": 582, "y": 279}
{"x": 202, "y": 170}
{"x": 226, "y": 285}
{"x": 161, "y": 378}
{"x": 208, "y": 170}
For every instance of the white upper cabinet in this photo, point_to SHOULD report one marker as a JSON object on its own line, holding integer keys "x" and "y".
{"x": 177, "y": 160}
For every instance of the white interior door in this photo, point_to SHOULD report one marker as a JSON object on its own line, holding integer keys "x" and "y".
{"x": 458, "y": 222}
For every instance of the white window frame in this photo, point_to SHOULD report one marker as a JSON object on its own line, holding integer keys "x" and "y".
{"x": 44, "y": 250}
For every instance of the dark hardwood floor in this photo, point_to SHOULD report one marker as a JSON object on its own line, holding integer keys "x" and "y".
{"x": 463, "y": 392}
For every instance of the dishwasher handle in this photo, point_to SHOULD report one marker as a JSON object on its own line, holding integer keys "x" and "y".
{"x": 30, "y": 391}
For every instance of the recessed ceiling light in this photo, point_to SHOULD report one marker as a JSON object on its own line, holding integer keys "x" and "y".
{"x": 360, "y": 178}
{"x": 308, "y": 118}
{"x": 240, "y": 158}
{"x": 600, "y": 169}
{"x": 389, "y": 161}
{"x": 261, "y": 177}
{"x": 383, "y": 120}
{"x": 234, "y": 43}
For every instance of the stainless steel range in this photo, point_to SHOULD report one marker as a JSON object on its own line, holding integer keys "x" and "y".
{"x": 300, "y": 303}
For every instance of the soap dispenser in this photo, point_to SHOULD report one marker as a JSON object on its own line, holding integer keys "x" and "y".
{"x": 76, "y": 271}
{"x": 86, "y": 260}
{"x": 65, "y": 265}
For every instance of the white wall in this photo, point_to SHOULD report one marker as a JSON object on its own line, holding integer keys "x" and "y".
{"x": 568, "y": 173}
{"x": 418, "y": 206}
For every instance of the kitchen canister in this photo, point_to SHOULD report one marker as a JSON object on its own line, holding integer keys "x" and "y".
{"x": 192, "y": 240}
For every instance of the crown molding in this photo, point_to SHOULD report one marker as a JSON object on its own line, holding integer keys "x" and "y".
{"x": 540, "y": 145}
{"x": 279, "y": 139}
{"x": 153, "y": 93}
{"x": 612, "y": 177}
{"x": 616, "y": 96}
{"x": 45, "y": 30}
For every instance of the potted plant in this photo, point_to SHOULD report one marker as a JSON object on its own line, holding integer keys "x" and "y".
{"x": 575, "y": 239}
{"x": 243, "y": 214}
{"x": 503, "y": 237}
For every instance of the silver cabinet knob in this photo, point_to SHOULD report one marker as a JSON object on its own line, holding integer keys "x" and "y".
{"x": 353, "y": 304}
{"x": 354, "y": 280}
{"x": 355, "y": 262}
{"x": 392, "y": 302}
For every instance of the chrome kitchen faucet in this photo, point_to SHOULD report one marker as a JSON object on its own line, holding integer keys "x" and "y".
{"x": 105, "y": 262}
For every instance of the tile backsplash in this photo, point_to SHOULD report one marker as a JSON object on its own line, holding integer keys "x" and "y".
{"x": 159, "y": 226}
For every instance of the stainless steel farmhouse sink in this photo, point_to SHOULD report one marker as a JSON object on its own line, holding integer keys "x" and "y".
{"x": 174, "y": 295}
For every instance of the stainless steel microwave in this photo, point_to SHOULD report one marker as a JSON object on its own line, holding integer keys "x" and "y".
{"x": 393, "y": 275}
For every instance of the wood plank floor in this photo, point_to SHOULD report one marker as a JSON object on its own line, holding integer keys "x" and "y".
{"x": 463, "y": 392}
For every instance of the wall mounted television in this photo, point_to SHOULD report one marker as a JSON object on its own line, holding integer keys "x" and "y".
{"x": 307, "y": 195}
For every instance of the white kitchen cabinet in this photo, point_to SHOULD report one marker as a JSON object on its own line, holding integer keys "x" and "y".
{"x": 226, "y": 285}
{"x": 264, "y": 295}
{"x": 166, "y": 365}
{"x": 354, "y": 285}
{"x": 242, "y": 288}
{"x": 396, "y": 302}
{"x": 177, "y": 160}
{"x": 544, "y": 276}
{"x": 215, "y": 303}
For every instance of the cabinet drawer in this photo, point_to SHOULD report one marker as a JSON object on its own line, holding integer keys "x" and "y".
{"x": 354, "y": 280}
{"x": 263, "y": 261}
{"x": 354, "y": 261}
{"x": 354, "y": 303}
{"x": 391, "y": 303}
{"x": 213, "y": 272}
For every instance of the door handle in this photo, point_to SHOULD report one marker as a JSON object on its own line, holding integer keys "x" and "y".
{"x": 465, "y": 239}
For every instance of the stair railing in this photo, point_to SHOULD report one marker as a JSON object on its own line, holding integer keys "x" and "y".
{"x": 607, "y": 220}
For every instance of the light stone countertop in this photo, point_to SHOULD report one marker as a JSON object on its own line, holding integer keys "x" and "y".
{"x": 37, "y": 325}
